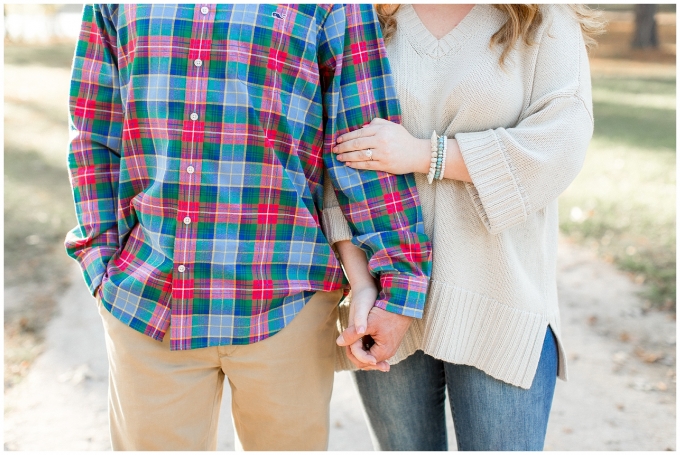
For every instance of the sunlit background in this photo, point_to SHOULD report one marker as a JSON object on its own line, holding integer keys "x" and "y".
{"x": 621, "y": 206}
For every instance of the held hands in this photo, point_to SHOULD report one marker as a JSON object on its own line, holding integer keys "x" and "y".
{"x": 392, "y": 149}
{"x": 362, "y": 301}
{"x": 387, "y": 330}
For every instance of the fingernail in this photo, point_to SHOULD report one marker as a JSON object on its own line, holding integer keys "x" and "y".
{"x": 361, "y": 330}
{"x": 340, "y": 340}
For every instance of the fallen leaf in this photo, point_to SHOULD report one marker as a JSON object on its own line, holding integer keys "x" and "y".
{"x": 646, "y": 356}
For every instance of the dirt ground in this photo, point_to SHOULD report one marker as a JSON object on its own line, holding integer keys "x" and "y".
{"x": 620, "y": 396}
{"x": 621, "y": 393}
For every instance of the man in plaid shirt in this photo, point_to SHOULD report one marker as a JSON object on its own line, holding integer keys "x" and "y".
{"x": 199, "y": 138}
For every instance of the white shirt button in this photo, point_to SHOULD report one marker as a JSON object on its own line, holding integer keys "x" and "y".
{"x": 181, "y": 269}
{"x": 198, "y": 62}
{"x": 193, "y": 116}
{"x": 190, "y": 169}
{"x": 205, "y": 10}
{"x": 187, "y": 220}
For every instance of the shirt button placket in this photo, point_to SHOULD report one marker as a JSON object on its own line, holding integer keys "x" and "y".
{"x": 198, "y": 63}
{"x": 192, "y": 144}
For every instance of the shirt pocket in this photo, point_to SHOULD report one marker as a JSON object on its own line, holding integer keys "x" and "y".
{"x": 269, "y": 47}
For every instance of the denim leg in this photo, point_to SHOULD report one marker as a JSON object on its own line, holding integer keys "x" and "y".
{"x": 492, "y": 415}
{"x": 406, "y": 407}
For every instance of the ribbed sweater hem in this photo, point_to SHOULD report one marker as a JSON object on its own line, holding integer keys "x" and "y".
{"x": 466, "y": 328}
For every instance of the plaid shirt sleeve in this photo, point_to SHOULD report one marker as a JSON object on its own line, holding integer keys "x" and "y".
{"x": 96, "y": 124}
{"x": 382, "y": 209}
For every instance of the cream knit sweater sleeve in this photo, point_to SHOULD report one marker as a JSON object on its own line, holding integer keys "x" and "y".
{"x": 517, "y": 171}
{"x": 335, "y": 225}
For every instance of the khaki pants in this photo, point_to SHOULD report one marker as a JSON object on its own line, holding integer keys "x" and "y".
{"x": 170, "y": 400}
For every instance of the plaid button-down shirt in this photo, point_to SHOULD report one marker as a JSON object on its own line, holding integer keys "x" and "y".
{"x": 199, "y": 138}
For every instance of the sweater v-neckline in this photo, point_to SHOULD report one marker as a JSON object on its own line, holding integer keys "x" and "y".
{"x": 427, "y": 42}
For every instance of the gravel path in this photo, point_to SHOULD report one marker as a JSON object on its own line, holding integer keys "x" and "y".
{"x": 620, "y": 396}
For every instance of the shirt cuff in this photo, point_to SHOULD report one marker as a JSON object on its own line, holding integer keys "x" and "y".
{"x": 496, "y": 194}
{"x": 403, "y": 294}
{"x": 335, "y": 225}
{"x": 93, "y": 262}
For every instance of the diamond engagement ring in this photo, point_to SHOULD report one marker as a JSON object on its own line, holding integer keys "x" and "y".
{"x": 369, "y": 154}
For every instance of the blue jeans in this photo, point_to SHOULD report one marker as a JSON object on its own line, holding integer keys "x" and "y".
{"x": 406, "y": 406}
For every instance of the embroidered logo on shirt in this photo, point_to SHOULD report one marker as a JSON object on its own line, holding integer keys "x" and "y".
{"x": 278, "y": 15}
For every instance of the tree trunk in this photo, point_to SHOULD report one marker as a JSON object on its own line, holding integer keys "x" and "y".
{"x": 646, "y": 35}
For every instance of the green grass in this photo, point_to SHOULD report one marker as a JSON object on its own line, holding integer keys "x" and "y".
{"x": 623, "y": 201}
{"x": 48, "y": 55}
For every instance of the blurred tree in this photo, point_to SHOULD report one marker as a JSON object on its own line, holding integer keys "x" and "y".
{"x": 646, "y": 35}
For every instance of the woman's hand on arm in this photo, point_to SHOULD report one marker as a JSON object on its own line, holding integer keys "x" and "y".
{"x": 396, "y": 151}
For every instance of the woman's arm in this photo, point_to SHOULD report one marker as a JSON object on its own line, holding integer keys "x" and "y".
{"x": 364, "y": 295}
{"x": 364, "y": 287}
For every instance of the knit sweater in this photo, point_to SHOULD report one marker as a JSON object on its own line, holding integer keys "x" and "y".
{"x": 523, "y": 130}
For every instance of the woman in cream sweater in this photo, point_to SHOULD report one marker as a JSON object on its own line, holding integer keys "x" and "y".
{"x": 506, "y": 91}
